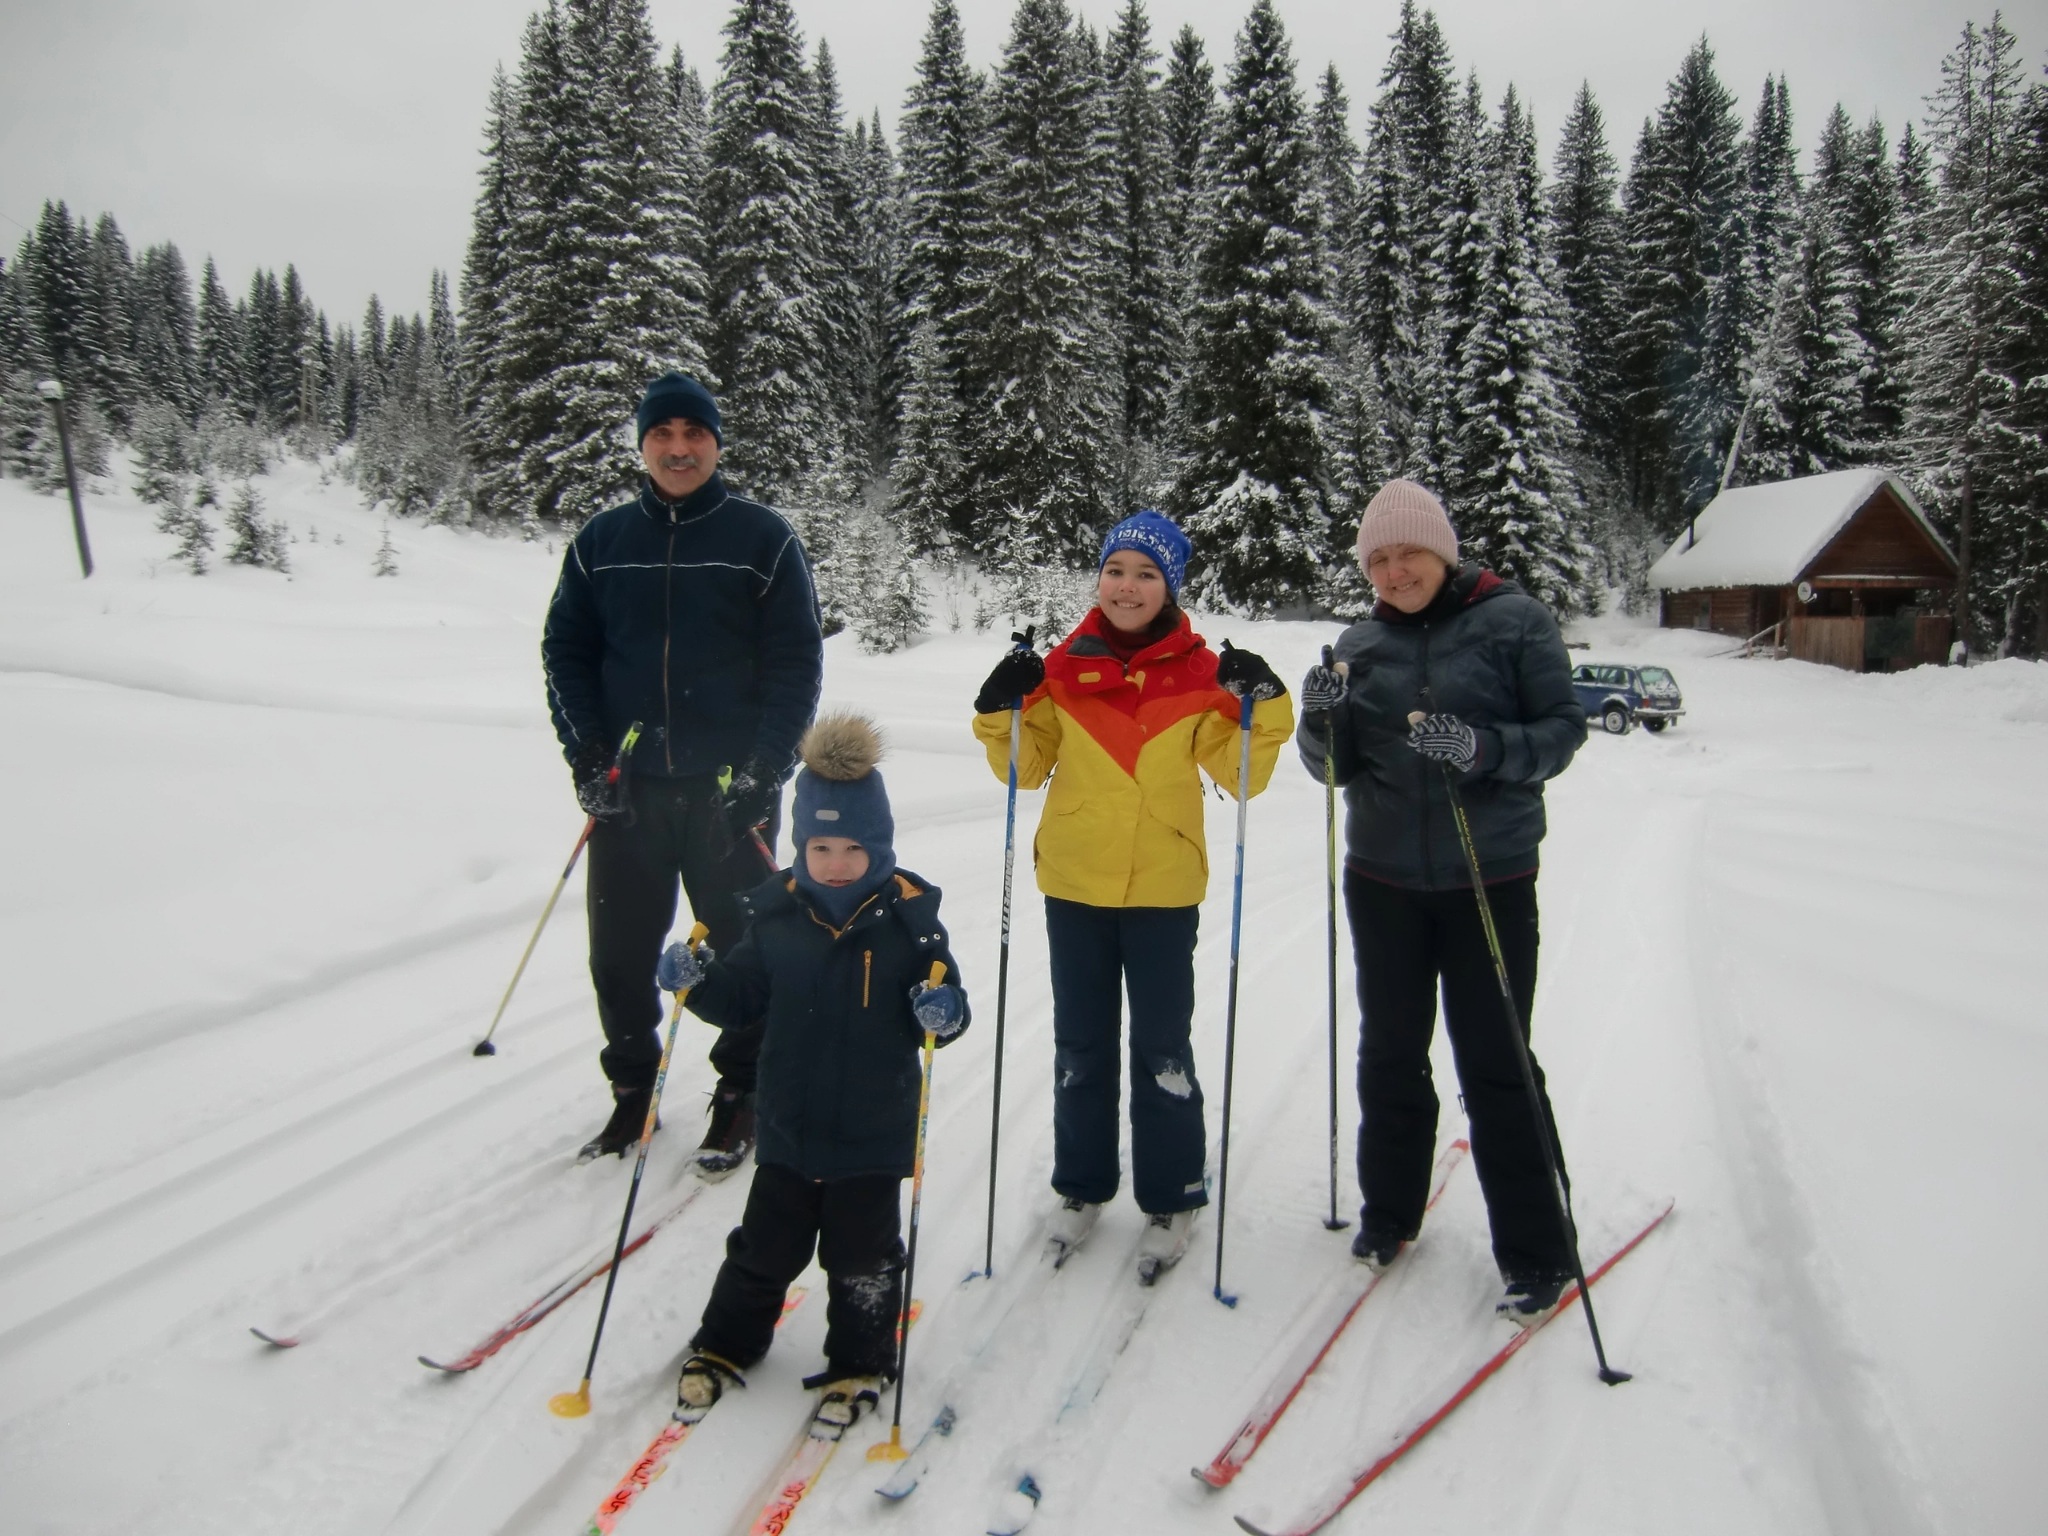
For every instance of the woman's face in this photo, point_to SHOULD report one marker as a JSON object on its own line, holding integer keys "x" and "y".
{"x": 1130, "y": 591}
{"x": 1406, "y": 576}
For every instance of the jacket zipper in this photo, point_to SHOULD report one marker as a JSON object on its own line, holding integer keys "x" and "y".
{"x": 867, "y": 974}
{"x": 668, "y": 565}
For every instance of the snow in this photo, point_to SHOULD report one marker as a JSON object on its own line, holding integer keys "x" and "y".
{"x": 1766, "y": 535}
{"x": 275, "y": 844}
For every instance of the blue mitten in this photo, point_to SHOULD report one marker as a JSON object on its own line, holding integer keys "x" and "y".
{"x": 681, "y": 967}
{"x": 941, "y": 1011}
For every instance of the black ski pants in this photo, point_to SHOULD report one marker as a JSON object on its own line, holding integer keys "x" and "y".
{"x": 1407, "y": 943}
{"x": 1098, "y": 955}
{"x": 676, "y": 833}
{"x": 856, "y": 1228}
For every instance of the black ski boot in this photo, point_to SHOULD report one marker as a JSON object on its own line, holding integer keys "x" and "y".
{"x": 729, "y": 1137}
{"x": 629, "y": 1119}
{"x": 1529, "y": 1299}
{"x": 1378, "y": 1242}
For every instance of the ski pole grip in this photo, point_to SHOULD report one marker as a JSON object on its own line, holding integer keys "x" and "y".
{"x": 938, "y": 974}
{"x": 1416, "y": 717}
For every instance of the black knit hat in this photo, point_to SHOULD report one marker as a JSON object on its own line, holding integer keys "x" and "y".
{"x": 673, "y": 396}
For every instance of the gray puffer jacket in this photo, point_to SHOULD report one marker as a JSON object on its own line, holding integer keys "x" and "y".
{"x": 1488, "y": 653}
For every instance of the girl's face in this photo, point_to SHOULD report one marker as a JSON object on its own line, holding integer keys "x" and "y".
{"x": 835, "y": 860}
{"x": 1406, "y": 576}
{"x": 1130, "y": 591}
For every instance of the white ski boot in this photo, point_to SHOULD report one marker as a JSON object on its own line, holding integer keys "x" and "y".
{"x": 1165, "y": 1240}
{"x": 1069, "y": 1228}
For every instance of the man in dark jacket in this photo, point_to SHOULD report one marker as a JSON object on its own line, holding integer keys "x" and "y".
{"x": 690, "y": 611}
{"x": 1483, "y": 665}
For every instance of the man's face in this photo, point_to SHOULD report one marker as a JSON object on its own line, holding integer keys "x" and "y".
{"x": 680, "y": 456}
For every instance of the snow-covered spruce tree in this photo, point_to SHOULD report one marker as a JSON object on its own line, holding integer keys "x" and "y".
{"x": 1679, "y": 199}
{"x": 1825, "y": 357}
{"x": 927, "y": 477}
{"x": 1253, "y": 495}
{"x": 887, "y": 601}
{"x": 600, "y": 295}
{"x": 189, "y": 526}
{"x": 1352, "y": 435}
{"x": 409, "y": 444}
{"x": 940, "y": 138}
{"x": 1519, "y": 505}
{"x": 1463, "y": 232}
{"x": 385, "y": 561}
{"x": 1142, "y": 309}
{"x": 1963, "y": 305}
{"x": 1039, "y": 467}
{"x": 1866, "y": 207}
{"x": 877, "y": 376}
{"x": 1406, "y": 167}
{"x": 767, "y": 198}
{"x": 846, "y": 459}
{"x": 1188, "y": 118}
{"x": 2023, "y": 359}
{"x": 110, "y": 378}
{"x": 486, "y": 269}
{"x": 220, "y": 341}
{"x": 166, "y": 454}
{"x": 165, "y": 329}
{"x": 253, "y": 538}
{"x": 1756, "y": 304}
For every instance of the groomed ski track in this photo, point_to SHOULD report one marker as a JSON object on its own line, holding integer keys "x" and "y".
{"x": 270, "y": 881}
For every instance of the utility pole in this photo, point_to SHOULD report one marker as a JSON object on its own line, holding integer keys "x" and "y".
{"x": 53, "y": 391}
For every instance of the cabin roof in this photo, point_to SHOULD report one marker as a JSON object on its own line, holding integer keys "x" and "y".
{"x": 1767, "y": 535}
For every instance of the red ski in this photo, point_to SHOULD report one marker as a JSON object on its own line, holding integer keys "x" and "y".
{"x": 1318, "y": 1340}
{"x": 1336, "y": 1503}
{"x": 654, "y": 1460}
{"x": 557, "y": 1293}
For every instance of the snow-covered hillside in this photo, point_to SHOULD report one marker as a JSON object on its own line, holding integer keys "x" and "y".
{"x": 273, "y": 845}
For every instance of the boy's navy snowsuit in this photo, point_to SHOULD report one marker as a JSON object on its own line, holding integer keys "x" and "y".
{"x": 836, "y": 1108}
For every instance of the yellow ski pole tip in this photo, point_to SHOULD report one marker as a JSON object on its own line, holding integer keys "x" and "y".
{"x": 571, "y": 1405}
{"x": 891, "y": 1449}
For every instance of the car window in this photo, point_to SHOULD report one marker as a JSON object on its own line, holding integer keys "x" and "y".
{"x": 1613, "y": 676}
{"x": 1582, "y": 674}
{"x": 1657, "y": 677}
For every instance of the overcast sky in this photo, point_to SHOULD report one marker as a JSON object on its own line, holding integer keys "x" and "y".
{"x": 344, "y": 137}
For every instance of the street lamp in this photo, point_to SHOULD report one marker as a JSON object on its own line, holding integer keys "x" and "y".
{"x": 53, "y": 391}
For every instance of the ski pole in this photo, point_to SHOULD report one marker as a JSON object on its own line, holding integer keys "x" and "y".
{"x": 892, "y": 1448}
{"x": 1544, "y": 1129}
{"x": 1332, "y": 1222}
{"x": 1244, "y": 775}
{"x": 618, "y": 768}
{"x": 1021, "y": 642}
{"x": 574, "y": 1405}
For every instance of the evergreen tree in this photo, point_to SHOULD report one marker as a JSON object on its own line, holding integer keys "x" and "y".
{"x": 1456, "y": 268}
{"x": 1188, "y": 117}
{"x": 165, "y": 330}
{"x": 875, "y": 377}
{"x": 220, "y": 340}
{"x": 1352, "y": 436}
{"x": 255, "y": 539}
{"x": 1963, "y": 309}
{"x": 1407, "y": 166}
{"x": 2022, "y": 359}
{"x": 1680, "y": 363}
{"x": 1756, "y": 307}
{"x": 1143, "y": 313}
{"x": 110, "y": 341}
{"x": 1253, "y": 494}
{"x": 1586, "y": 244}
{"x": 1040, "y": 352}
{"x": 1868, "y": 217}
{"x": 768, "y": 199}
{"x": 927, "y": 473}
{"x": 1520, "y": 505}
{"x": 486, "y": 271}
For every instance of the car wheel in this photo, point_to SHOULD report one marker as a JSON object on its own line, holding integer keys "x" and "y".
{"x": 1655, "y": 725}
{"x": 1615, "y": 721}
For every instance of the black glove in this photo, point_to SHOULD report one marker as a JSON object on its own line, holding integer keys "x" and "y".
{"x": 1019, "y": 672}
{"x": 1322, "y": 690}
{"x": 597, "y": 791}
{"x": 751, "y": 796}
{"x": 1246, "y": 674}
{"x": 1447, "y": 740}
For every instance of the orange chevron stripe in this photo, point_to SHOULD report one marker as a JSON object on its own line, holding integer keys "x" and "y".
{"x": 1123, "y": 726}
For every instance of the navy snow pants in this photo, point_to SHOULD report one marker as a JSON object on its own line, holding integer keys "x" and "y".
{"x": 1098, "y": 955}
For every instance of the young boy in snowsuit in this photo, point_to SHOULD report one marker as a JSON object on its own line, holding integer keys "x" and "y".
{"x": 838, "y": 955}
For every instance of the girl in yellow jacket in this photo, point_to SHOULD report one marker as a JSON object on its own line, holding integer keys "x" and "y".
{"x": 1130, "y": 708}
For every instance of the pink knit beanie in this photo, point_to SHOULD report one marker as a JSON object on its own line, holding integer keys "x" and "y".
{"x": 1404, "y": 513}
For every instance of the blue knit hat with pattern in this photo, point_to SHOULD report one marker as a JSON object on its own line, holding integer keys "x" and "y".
{"x": 676, "y": 396}
{"x": 1158, "y": 538}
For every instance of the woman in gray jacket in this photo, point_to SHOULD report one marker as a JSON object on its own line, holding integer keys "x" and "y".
{"x": 1483, "y": 662}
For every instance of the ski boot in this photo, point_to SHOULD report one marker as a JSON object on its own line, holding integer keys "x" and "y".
{"x": 729, "y": 1137}
{"x": 1164, "y": 1241}
{"x": 1069, "y": 1228}
{"x": 629, "y": 1119}
{"x": 1529, "y": 1299}
{"x": 1379, "y": 1242}
{"x": 702, "y": 1383}
{"x": 844, "y": 1400}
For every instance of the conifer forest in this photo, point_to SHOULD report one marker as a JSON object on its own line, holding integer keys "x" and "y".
{"x": 1115, "y": 270}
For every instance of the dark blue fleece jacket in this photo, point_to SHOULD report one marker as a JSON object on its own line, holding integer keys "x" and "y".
{"x": 695, "y": 618}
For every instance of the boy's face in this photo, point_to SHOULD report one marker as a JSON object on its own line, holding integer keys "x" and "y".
{"x": 835, "y": 860}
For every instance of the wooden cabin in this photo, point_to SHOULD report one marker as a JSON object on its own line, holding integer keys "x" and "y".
{"x": 1842, "y": 568}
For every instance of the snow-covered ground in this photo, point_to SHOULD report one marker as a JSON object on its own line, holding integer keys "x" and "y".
{"x": 272, "y": 847}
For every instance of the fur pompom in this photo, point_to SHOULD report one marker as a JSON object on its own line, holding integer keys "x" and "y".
{"x": 843, "y": 747}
